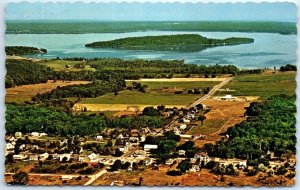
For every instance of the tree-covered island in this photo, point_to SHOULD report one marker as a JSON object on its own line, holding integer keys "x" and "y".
{"x": 23, "y": 50}
{"x": 180, "y": 42}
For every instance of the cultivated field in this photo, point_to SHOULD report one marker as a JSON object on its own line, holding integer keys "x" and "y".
{"x": 264, "y": 85}
{"x": 157, "y": 93}
{"x": 23, "y": 93}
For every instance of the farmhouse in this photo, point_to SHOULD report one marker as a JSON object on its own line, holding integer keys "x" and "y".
{"x": 93, "y": 157}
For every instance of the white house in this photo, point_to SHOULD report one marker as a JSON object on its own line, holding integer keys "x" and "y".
{"x": 202, "y": 157}
{"x": 19, "y": 157}
{"x": 43, "y": 134}
{"x": 93, "y": 157}
{"x": 186, "y": 120}
{"x": 170, "y": 161}
{"x": 9, "y": 146}
{"x": 148, "y": 147}
{"x": 181, "y": 152}
{"x": 35, "y": 134}
{"x": 182, "y": 127}
{"x": 148, "y": 161}
{"x": 62, "y": 156}
{"x": 34, "y": 157}
{"x": 44, "y": 156}
{"x": 99, "y": 138}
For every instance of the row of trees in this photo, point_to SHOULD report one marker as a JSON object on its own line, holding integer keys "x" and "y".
{"x": 269, "y": 128}
{"x": 30, "y": 118}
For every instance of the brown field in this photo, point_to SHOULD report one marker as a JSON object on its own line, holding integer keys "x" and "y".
{"x": 223, "y": 114}
{"x": 202, "y": 178}
{"x": 178, "y": 80}
{"x": 23, "y": 93}
{"x": 49, "y": 180}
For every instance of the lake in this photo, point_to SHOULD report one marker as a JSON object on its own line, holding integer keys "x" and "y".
{"x": 268, "y": 49}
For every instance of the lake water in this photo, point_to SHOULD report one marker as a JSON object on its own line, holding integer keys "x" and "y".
{"x": 268, "y": 49}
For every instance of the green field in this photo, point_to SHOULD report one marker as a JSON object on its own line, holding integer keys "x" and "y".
{"x": 208, "y": 127}
{"x": 60, "y": 65}
{"x": 264, "y": 85}
{"x": 178, "y": 85}
{"x": 134, "y": 97}
{"x": 80, "y": 27}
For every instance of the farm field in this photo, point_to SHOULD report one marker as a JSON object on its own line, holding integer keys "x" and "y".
{"x": 60, "y": 65}
{"x": 136, "y": 98}
{"x": 157, "y": 93}
{"x": 264, "y": 85}
{"x": 24, "y": 93}
{"x": 176, "y": 85}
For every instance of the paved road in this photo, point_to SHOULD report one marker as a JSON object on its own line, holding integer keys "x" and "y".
{"x": 211, "y": 92}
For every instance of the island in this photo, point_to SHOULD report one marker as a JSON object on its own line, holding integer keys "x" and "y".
{"x": 23, "y": 50}
{"x": 180, "y": 42}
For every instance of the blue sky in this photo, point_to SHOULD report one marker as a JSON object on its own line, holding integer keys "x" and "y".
{"x": 285, "y": 12}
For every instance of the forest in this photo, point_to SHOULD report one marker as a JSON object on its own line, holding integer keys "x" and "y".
{"x": 32, "y": 118}
{"x": 179, "y": 42}
{"x": 271, "y": 126}
{"x": 23, "y": 50}
{"x": 17, "y": 70}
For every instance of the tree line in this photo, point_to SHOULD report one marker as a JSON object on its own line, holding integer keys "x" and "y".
{"x": 23, "y": 50}
{"x": 32, "y": 118}
{"x": 270, "y": 127}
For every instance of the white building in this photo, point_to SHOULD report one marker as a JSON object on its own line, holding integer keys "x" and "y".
{"x": 202, "y": 157}
{"x": 148, "y": 147}
{"x": 44, "y": 156}
{"x": 93, "y": 157}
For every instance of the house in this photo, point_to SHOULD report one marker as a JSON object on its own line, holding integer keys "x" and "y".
{"x": 34, "y": 157}
{"x": 186, "y": 136}
{"x": 194, "y": 168}
{"x": 181, "y": 152}
{"x": 170, "y": 161}
{"x": 148, "y": 161}
{"x": 237, "y": 164}
{"x": 22, "y": 147}
{"x": 44, "y": 156}
{"x": 148, "y": 147}
{"x": 35, "y": 134}
{"x": 120, "y": 136}
{"x": 83, "y": 158}
{"x": 182, "y": 127}
{"x": 228, "y": 97}
{"x": 19, "y": 157}
{"x": 67, "y": 157}
{"x": 184, "y": 120}
{"x": 9, "y": 146}
{"x": 99, "y": 138}
{"x": 203, "y": 158}
{"x": 43, "y": 134}
{"x": 93, "y": 157}
{"x": 134, "y": 140}
{"x": 18, "y": 134}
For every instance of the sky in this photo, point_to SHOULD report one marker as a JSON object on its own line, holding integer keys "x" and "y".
{"x": 283, "y": 12}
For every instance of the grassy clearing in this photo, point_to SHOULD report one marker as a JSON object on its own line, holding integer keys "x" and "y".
{"x": 134, "y": 97}
{"x": 181, "y": 85}
{"x": 59, "y": 65}
{"x": 264, "y": 85}
{"x": 208, "y": 127}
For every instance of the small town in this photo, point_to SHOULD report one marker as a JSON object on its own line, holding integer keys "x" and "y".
{"x": 85, "y": 159}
